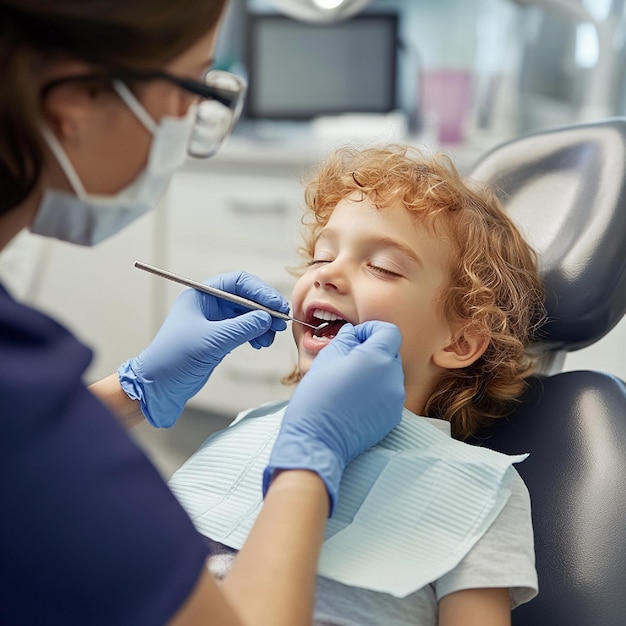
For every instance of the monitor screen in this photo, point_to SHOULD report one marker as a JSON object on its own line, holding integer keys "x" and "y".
{"x": 300, "y": 70}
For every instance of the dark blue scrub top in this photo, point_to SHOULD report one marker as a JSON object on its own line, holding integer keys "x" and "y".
{"x": 89, "y": 532}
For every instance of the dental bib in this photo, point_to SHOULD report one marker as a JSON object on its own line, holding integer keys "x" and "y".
{"x": 409, "y": 509}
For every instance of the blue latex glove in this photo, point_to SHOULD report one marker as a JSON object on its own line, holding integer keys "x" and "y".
{"x": 199, "y": 331}
{"x": 348, "y": 401}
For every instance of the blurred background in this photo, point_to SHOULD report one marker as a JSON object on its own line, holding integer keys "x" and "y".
{"x": 447, "y": 75}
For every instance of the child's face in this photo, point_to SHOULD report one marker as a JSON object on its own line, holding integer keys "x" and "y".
{"x": 378, "y": 264}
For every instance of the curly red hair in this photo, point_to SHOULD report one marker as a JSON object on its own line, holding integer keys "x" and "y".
{"x": 494, "y": 286}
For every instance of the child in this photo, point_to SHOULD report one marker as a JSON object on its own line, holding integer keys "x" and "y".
{"x": 426, "y": 530}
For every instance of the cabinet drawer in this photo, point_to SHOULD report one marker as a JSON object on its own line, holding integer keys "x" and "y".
{"x": 230, "y": 209}
{"x": 202, "y": 263}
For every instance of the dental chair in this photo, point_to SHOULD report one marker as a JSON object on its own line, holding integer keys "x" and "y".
{"x": 566, "y": 190}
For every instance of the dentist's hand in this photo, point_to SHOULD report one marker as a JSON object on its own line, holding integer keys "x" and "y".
{"x": 349, "y": 400}
{"x": 199, "y": 331}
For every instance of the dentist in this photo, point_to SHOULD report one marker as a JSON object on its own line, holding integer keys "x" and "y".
{"x": 101, "y": 100}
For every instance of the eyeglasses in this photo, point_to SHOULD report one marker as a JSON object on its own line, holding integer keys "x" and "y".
{"x": 221, "y": 101}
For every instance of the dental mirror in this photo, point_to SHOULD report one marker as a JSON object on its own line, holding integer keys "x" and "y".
{"x": 224, "y": 295}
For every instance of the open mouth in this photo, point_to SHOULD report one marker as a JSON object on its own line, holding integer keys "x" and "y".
{"x": 332, "y": 320}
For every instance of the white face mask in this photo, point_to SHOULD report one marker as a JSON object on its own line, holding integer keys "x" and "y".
{"x": 88, "y": 219}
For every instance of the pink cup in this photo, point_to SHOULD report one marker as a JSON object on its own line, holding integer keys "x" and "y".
{"x": 446, "y": 98}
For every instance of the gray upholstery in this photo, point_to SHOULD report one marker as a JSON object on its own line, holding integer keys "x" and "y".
{"x": 565, "y": 189}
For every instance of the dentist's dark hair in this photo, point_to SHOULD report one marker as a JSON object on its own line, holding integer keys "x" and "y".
{"x": 131, "y": 34}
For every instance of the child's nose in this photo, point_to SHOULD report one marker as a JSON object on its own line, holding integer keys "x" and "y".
{"x": 332, "y": 276}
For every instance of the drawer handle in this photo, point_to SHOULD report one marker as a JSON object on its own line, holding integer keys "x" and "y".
{"x": 272, "y": 206}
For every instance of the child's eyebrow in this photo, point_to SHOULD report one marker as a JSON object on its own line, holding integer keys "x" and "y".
{"x": 388, "y": 242}
{"x": 331, "y": 235}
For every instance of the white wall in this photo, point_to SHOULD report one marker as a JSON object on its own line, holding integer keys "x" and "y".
{"x": 607, "y": 355}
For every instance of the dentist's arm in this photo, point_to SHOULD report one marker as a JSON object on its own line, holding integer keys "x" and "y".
{"x": 110, "y": 392}
{"x": 273, "y": 579}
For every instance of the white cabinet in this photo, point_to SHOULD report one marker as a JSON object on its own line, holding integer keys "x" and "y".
{"x": 231, "y": 214}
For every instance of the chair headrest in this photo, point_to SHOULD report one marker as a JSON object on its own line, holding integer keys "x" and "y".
{"x": 565, "y": 190}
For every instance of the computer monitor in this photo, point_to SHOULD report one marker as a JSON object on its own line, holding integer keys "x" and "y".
{"x": 302, "y": 70}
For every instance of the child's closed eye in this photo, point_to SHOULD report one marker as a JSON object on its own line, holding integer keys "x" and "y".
{"x": 383, "y": 271}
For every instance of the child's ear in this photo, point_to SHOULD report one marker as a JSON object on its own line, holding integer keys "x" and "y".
{"x": 466, "y": 347}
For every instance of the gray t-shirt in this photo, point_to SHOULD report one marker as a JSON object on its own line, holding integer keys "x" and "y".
{"x": 503, "y": 557}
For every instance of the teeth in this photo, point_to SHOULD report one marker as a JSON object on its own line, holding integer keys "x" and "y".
{"x": 327, "y": 316}
{"x": 321, "y": 338}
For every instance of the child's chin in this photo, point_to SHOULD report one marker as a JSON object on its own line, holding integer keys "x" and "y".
{"x": 304, "y": 365}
